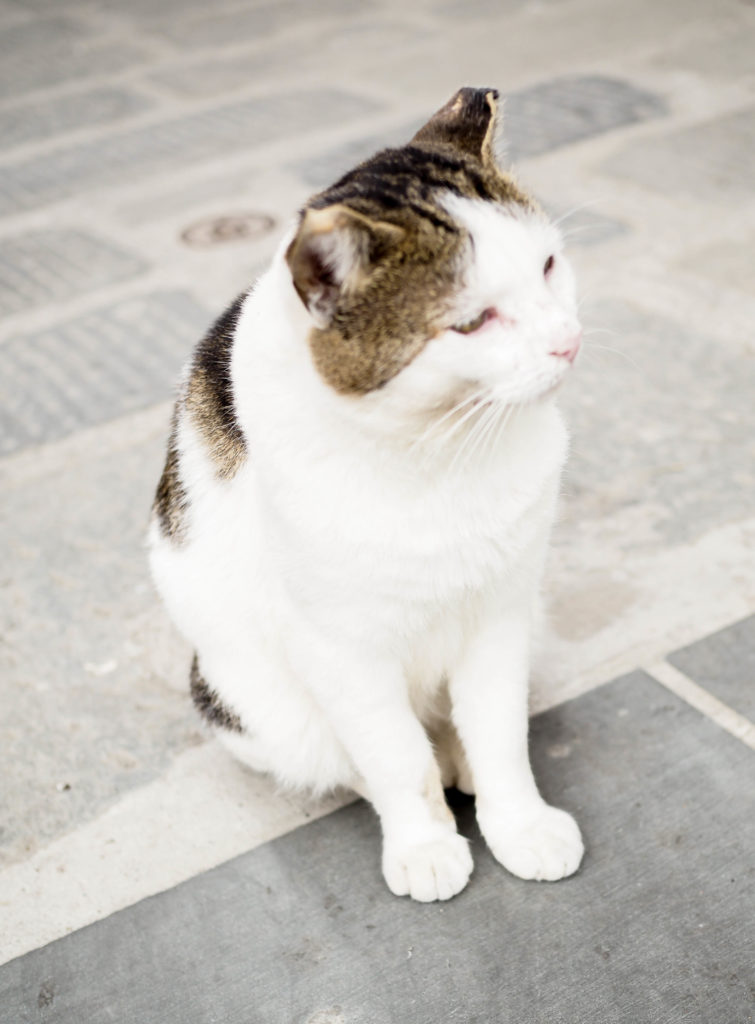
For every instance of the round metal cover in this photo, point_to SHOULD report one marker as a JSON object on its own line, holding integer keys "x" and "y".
{"x": 233, "y": 227}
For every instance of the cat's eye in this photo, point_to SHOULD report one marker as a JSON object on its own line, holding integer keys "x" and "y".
{"x": 548, "y": 265}
{"x": 473, "y": 325}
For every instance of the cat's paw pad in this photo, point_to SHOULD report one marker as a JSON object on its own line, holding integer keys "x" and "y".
{"x": 545, "y": 849}
{"x": 435, "y": 870}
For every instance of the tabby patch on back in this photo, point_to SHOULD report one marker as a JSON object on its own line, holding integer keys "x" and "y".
{"x": 377, "y": 255}
{"x": 209, "y": 395}
{"x": 207, "y": 402}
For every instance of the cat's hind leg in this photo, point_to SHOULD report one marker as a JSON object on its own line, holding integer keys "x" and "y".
{"x": 451, "y": 758}
{"x": 267, "y": 720}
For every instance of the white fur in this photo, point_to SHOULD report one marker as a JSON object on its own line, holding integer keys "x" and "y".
{"x": 371, "y": 548}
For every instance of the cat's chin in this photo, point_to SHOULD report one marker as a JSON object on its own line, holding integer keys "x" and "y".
{"x": 550, "y": 389}
{"x": 534, "y": 398}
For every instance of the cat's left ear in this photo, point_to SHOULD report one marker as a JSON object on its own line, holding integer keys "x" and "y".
{"x": 335, "y": 250}
{"x": 470, "y": 122}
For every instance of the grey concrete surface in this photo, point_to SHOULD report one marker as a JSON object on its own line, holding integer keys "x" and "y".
{"x": 95, "y": 367}
{"x": 724, "y": 664}
{"x": 44, "y": 266}
{"x": 124, "y": 124}
{"x": 655, "y": 926}
{"x": 168, "y": 145}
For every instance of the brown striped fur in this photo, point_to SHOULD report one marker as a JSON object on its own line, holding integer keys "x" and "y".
{"x": 207, "y": 702}
{"x": 171, "y": 502}
{"x": 209, "y": 395}
{"x": 208, "y": 400}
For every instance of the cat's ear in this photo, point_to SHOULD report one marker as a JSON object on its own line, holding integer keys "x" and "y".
{"x": 470, "y": 122}
{"x": 335, "y": 250}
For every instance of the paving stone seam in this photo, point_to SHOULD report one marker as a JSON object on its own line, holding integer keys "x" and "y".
{"x": 701, "y": 700}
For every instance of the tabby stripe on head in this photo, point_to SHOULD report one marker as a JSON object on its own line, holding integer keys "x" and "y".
{"x": 436, "y": 170}
{"x": 397, "y": 195}
{"x": 209, "y": 394}
{"x": 209, "y": 704}
{"x": 416, "y": 168}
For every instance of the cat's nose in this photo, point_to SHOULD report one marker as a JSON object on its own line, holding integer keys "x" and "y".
{"x": 568, "y": 347}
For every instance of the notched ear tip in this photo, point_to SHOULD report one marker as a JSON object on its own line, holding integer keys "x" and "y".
{"x": 465, "y": 123}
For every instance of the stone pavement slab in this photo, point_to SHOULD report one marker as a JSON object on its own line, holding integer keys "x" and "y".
{"x": 662, "y": 417}
{"x": 724, "y": 664}
{"x": 43, "y": 120}
{"x": 710, "y": 159}
{"x": 655, "y": 927}
{"x": 98, "y": 366}
{"x": 84, "y": 718}
{"x": 168, "y": 145}
{"x": 49, "y": 51}
{"x": 44, "y": 266}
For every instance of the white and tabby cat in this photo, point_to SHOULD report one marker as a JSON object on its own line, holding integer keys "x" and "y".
{"x": 360, "y": 484}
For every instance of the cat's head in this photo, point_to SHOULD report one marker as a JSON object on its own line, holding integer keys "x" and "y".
{"x": 427, "y": 269}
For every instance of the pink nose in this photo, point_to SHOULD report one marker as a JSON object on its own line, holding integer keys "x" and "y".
{"x": 568, "y": 348}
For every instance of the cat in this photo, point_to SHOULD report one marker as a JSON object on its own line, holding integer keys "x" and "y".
{"x": 361, "y": 477}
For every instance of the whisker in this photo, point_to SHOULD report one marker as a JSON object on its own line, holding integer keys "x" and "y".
{"x": 600, "y": 330}
{"x": 574, "y": 232}
{"x": 508, "y": 416}
{"x": 491, "y": 414}
{"x": 493, "y": 440}
{"x": 469, "y": 440}
{"x": 459, "y": 423}
{"x": 577, "y": 209}
{"x": 473, "y": 397}
{"x": 615, "y": 351}
{"x": 460, "y": 426}
{"x": 436, "y": 424}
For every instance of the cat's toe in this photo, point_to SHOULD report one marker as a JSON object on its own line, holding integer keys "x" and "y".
{"x": 545, "y": 849}
{"x": 435, "y": 870}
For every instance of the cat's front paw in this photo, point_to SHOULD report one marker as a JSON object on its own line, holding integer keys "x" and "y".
{"x": 544, "y": 847}
{"x": 434, "y": 870}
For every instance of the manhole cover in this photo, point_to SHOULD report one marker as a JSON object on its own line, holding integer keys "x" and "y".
{"x": 234, "y": 227}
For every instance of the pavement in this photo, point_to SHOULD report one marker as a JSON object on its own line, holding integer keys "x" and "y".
{"x": 151, "y": 154}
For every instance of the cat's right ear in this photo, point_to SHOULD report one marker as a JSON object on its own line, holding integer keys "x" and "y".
{"x": 334, "y": 250}
{"x": 469, "y": 123}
